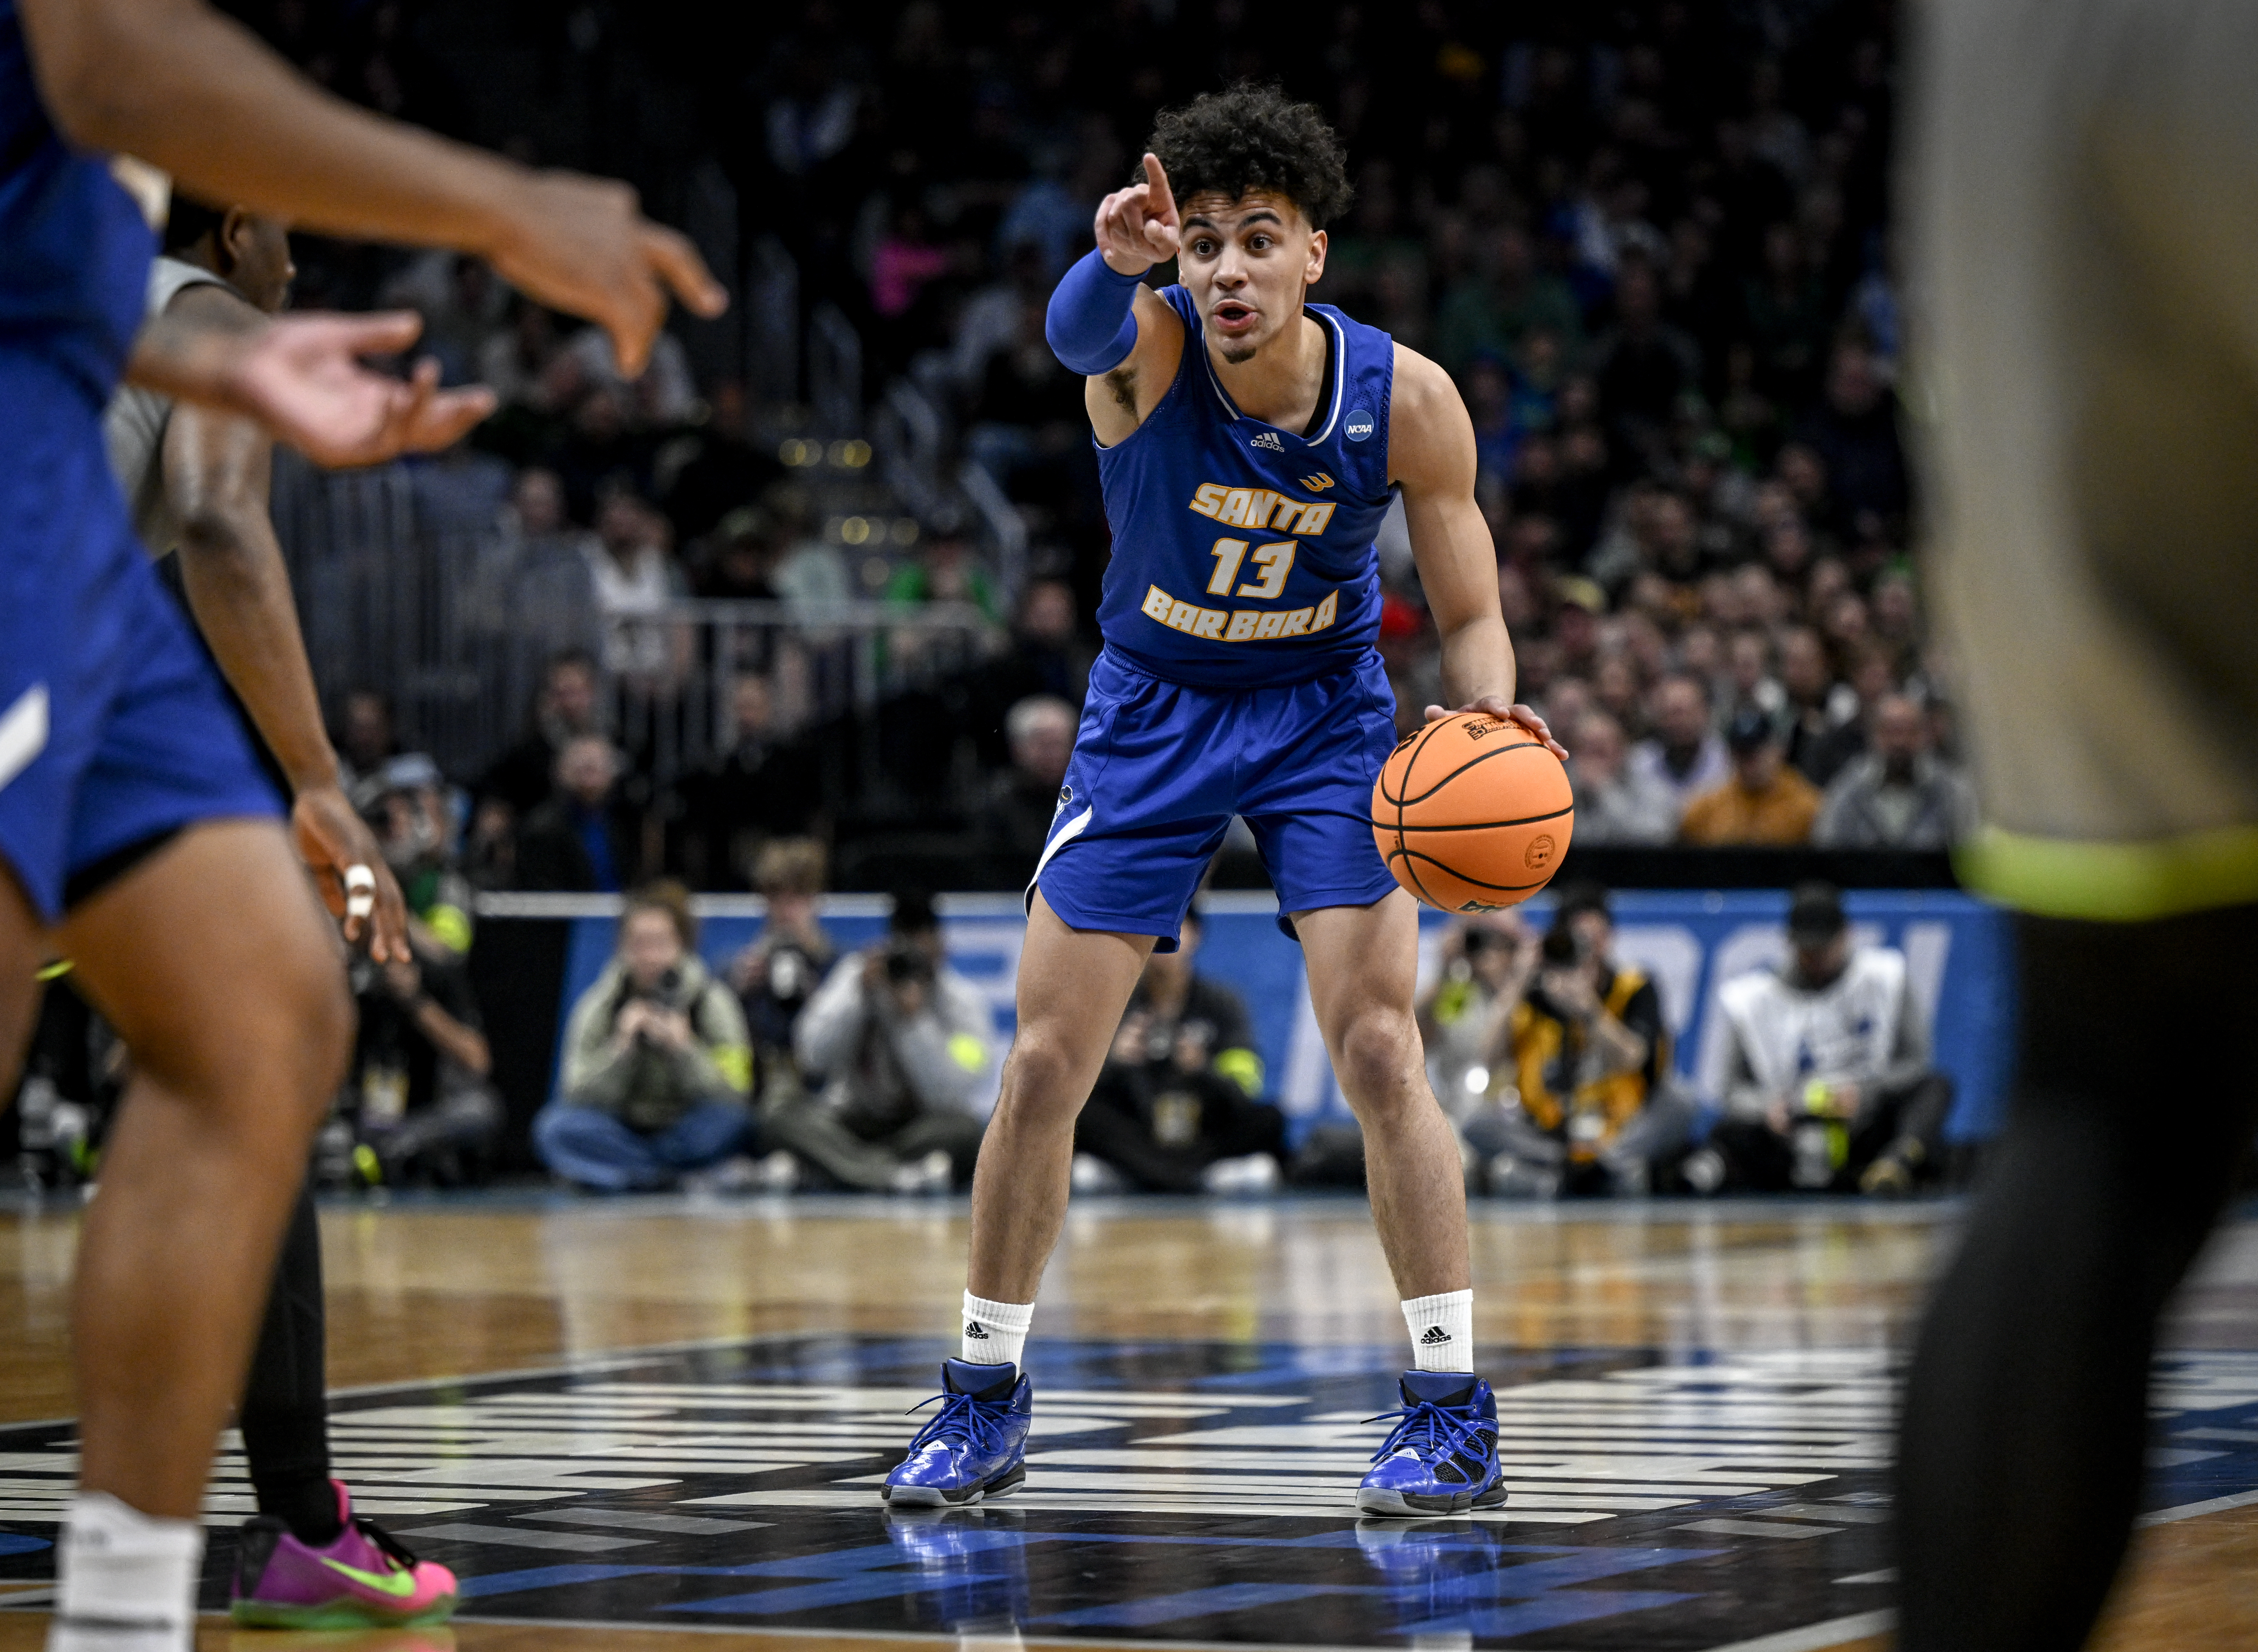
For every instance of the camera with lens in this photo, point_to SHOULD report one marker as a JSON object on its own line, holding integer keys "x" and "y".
{"x": 905, "y": 963}
{"x": 661, "y": 990}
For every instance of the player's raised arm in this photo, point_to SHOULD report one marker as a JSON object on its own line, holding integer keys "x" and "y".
{"x": 1431, "y": 455}
{"x": 216, "y": 469}
{"x": 188, "y": 90}
{"x": 1106, "y": 324}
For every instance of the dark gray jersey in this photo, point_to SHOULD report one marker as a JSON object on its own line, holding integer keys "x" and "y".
{"x": 135, "y": 422}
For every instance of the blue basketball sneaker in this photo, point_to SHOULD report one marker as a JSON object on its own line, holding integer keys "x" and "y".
{"x": 1442, "y": 1456}
{"x": 976, "y": 1446}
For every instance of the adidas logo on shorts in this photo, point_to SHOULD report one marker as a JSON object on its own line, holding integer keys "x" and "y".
{"x": 1269, "y": 440}
{"x": 1433, "y": 1337}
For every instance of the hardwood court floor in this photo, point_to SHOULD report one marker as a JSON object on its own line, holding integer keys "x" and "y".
{"x": 421, "y": 1293}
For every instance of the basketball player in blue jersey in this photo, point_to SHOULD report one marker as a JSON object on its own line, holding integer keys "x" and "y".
{"x": 1249, "y": 443}
{"x": 136, "y": 833}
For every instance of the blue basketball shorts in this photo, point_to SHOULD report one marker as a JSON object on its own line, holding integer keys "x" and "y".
{"x": 1159, "y": 769}
{"x": 114, "y": 727}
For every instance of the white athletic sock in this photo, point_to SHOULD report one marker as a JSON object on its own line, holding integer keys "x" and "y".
{"x": 995, "y": 1333}
{"x": 126, "y": 1580}
{"x": 1442, "y": 1330}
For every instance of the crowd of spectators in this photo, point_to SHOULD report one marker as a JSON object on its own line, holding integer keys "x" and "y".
{"x": 1651, "y": 243}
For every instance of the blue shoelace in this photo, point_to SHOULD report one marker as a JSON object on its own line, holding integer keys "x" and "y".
{"x": 1434, "y": 1432}
{"x": 962, "y": 1416}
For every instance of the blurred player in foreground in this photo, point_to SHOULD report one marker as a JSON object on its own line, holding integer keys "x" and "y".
{"x": 1248, "y": 445}
{"x": 197, "y": 481}
{"x": 136, "y": 832}
{"x": 2085, "y": 201}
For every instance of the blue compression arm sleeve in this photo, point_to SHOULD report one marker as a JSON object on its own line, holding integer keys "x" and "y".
{"x": 1092, "y": 324}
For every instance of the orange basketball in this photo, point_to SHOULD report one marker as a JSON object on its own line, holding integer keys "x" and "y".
{"x": 1471, "y": 814}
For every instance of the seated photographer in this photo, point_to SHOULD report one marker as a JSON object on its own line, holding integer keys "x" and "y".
{"x": 416, "y": 1100}
{"x": 406, "y": 804}
{"x": 776, "y": 976}
{"x": 1179, "y": 998}
{"x": 656, "y": 1065}
{"x": 1487, "y": 963}
{"x": 1586, "y": 1054}
{"x": 1828, "y": 1080}
{"x": 1174, "y": 1109}
{"x": 893, "y": 1045}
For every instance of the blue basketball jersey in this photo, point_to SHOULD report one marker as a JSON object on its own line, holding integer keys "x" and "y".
{"x": 113, "y": 728}
{"x": 1242, "y": 553}
{"x": 75, "y": 248}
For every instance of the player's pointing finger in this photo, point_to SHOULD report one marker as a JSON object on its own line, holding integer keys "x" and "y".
{"x": 1161, "y": 203}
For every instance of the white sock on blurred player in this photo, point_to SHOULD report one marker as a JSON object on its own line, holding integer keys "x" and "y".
{"x": 1442, "y": 1330}
{"x": 126, "y": 1580}
{"x": 995, "y": 1333}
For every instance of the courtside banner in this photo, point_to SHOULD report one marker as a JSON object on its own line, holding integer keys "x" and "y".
{"x": 1958, "y": 950}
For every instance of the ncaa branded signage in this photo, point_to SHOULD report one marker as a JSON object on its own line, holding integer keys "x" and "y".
{"x": 1358, "y": 425}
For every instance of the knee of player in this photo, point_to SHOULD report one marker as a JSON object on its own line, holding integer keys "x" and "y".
{"x": 1376, "y": 1057}
{"x": 1043, "y": 1074}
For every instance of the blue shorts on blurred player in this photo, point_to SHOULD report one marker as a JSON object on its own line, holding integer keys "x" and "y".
{"x": 1160, "y": 768}
{"x": 114, "y": 731}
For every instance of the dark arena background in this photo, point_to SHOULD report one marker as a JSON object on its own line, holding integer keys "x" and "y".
{"x": 803, "y": 619}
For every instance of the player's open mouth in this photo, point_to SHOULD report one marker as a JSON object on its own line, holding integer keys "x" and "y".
{"x": 1233, "y": 317}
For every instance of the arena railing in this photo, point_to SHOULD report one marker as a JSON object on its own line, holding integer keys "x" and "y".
{"x": 674, "y": 671}
{"x": 453, "y": 619}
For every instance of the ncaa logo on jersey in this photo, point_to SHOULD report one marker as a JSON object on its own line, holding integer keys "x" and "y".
{"x": 1268, "y": 440}
{"x": 1359, "y": 425}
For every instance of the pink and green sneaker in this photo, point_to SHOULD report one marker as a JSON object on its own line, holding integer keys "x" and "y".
{"x": 366, "y": 1577}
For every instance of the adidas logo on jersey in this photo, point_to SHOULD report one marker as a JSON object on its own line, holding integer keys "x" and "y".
{"x": 1269, "y": 440}
{"x": 1433, "y": 1337}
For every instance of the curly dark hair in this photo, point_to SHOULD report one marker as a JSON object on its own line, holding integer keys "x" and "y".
{"x": 1254, "y": 137}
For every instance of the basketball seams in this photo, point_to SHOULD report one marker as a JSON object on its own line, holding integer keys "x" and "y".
{"x": 1418, "y": 744}
{"x": 1473, "y": 761}
{"x": 1488, "y": 825}
{"x": 1411, "y": 853}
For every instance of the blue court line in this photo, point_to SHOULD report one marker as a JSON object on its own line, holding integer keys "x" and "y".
{"x": 1194, "y": 1603}
{"x": 1547, "y": 1612}
{"x": 875, "y": 1571}
{"x": 839, "y": 1592}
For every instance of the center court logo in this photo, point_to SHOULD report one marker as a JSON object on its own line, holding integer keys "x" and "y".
{"x": 1359, "y": 425}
